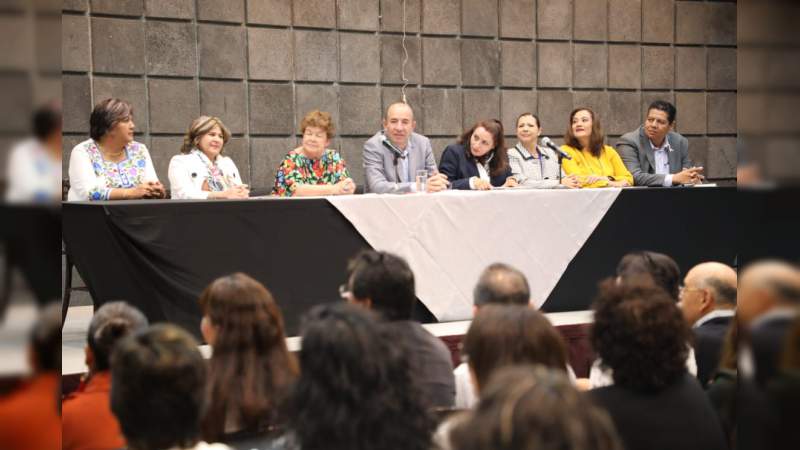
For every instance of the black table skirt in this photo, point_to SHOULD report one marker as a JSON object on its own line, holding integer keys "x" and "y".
{"x": 159, "y": 255}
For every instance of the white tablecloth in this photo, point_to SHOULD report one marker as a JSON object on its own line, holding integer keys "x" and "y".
{"x": 448, "y": 238}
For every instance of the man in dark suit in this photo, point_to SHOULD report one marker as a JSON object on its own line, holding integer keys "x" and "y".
{"x": 708, "y": 302}
{"x": 769, "y": 299}
{"x": 654, "y": 154}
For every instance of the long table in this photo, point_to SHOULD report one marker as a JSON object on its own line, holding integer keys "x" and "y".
{"x": 159, "y": 255}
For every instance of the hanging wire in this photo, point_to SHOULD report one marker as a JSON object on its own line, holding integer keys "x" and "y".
{"x": 405, "y": 56}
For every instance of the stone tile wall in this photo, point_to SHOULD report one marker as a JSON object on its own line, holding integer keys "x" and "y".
{"x": 262, "y": 64}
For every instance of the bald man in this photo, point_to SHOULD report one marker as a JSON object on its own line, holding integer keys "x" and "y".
{"x": 393, "y": 155}
{"x": 769, "y": 298}
{"x": 708, "y": 302}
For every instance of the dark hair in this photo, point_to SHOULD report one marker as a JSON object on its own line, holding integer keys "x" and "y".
{"x": 501, "y": 283}
{"x": 106, "y": 114}
{"x": 250, "y": 368}
{"x": 356, "y": 390}
{"x": 110, "y": 323}
{"x": 532, "y": 407}
{"x": 724, "y": 293}
{"x": 665, "y": 106}
{"x": 46, "y": 120}
{"x": 641, "y": 334}
{"x": 499, "y": 163}
{"x": 538, "y": 122}
{"x": 385, "y": 279}
{"x": 505, "y": 335}
{"x": 596, "y": 138}
{"x": 157, "y": 380}
{"x": 656, "y": 268}
{"x": 45, "y": 339}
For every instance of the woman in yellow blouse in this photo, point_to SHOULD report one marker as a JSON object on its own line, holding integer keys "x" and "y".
{"x": 595, "y": 164}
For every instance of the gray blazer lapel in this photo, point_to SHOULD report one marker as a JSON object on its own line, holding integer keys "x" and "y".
{"x": 674, "y": 157}
{"x": 414, "y": 157}
{"x": 644, "y": 146}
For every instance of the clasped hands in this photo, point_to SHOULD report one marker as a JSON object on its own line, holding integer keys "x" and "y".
{"x": 690, "y": 175}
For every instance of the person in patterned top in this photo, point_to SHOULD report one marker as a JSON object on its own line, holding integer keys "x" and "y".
{"x": 313, "y": 168}
{"x": 111, "y": 165}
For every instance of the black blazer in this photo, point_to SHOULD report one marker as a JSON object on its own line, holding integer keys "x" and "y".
{"x": 677, "y": 417}
{"x": 708, "y": 339}
{"x": 767, "y": 341}
{"x": 459, "y": 169}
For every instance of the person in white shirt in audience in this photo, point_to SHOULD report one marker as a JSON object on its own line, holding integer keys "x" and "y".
{"x": 33, "y": 171}
{"x": 535, "y": 166}
{"x": 111, "y": 165}
{"x": 499, "y": 284}
{"x": 201, "y": 171}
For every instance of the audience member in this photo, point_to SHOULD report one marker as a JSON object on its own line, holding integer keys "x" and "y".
{"x": 498, "y": 284}
{"x": 313, "y": 168}
{"x": 394, "y": 155}
{"x": 111, "y": 165}
{"x": 534, "y": 166}
{"x": 87, "y": 421}
{"x": 384, "y": 283}
{"x": 356, "y": 390}
{"x": 768, "y": 301}
{"x": 29, "y": 416}
{"x": 201, "y": 171}
{"x": 783, "y": 391}
{"x": 529, "y": 407}
{"x": 157, "y": 381}
{"x": 655, "y": 154}
{"x": 654, "y": 402}
{"x": 708, "y": 302}
{"x": 594, "y": 163}
{"x": 479, "y": 160}
{"x": 251, "y": 369}
{"x": 652, "y": 268}
{"x": 33, "y": 170}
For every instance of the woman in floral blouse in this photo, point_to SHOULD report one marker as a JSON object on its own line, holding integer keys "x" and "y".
{"x": 313, "y": 169}
{"x": 111, "y": 165}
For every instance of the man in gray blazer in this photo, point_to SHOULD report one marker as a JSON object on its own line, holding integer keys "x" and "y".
{"x": 393, "y": 155}
{"x": 656, "y": 155}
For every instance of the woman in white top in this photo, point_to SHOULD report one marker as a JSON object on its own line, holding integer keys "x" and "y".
{"x": 534, "y": 166}
{"x": 201, "y": 171}
{"x": 111, "y": 165}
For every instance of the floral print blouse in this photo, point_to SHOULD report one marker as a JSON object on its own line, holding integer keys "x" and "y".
{"x": 93, "y": 178}
{"x": 297, "y": 168}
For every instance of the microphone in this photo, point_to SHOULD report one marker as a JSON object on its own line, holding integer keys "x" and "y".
{"x": 548, "y": 143}
{"x": 396, "y": 151}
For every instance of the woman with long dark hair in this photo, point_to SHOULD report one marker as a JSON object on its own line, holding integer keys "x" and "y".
{"x": 479, "y": 159}
{"x": 251, "y": 368}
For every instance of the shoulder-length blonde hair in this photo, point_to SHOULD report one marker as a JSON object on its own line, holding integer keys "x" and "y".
{"x": 596, "y": 139}
{"x": 201, "y": 126}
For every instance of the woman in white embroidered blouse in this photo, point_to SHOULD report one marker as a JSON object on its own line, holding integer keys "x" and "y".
{"x": 111, "y": 165}
{"x": 201, "y": 171}
{"x": 534, "y": 166}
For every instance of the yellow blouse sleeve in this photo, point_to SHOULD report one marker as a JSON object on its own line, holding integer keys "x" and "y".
{"x": 577, "y": 166}
{"x": 570, "y": 166}
{"x": 620, "y": 171}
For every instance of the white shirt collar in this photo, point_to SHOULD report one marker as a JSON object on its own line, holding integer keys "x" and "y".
{"x": 664, "y": 145}
{"x": 713, "y": 315}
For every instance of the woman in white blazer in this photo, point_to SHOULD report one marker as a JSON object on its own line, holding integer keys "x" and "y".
{"x": 201, "y": 171}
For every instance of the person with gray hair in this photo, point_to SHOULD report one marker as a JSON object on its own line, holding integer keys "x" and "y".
{"x": 708, "y": 303}
{"x": 87, "y": 419}
{"x": 768, "y": 302}
{"x": 499, "y": 284}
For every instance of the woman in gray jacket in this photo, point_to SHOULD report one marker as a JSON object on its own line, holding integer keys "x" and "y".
{"x": 534, "y": 166}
